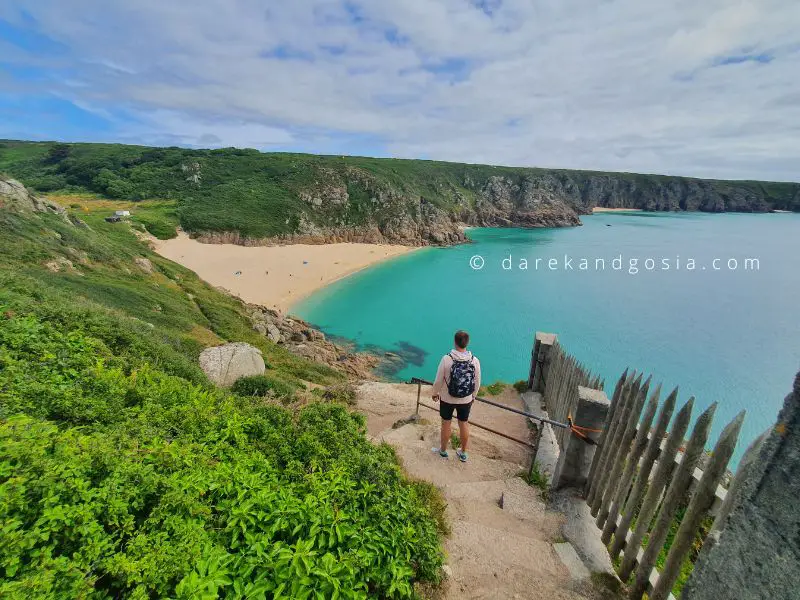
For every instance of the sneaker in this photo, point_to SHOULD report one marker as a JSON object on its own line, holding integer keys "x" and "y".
{"x": 462, "y": 456}
{"x": 442, "y": 453}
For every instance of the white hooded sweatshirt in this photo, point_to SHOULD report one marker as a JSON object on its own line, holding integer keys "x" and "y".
{"x": 443, "y": 376}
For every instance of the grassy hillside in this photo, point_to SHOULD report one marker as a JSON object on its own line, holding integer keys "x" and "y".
{"x": 125, "y": 473}
{"x": 262, "y": 195}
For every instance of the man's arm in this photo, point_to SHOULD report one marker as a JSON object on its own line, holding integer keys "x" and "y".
{"x": 438, "y": 382}
{"x": 477, "y": 378}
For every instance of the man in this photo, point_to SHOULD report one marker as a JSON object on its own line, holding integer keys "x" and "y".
{"x": 457, "y": 382}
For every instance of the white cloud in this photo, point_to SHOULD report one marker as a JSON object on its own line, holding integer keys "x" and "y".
{"x": 620, "y": 85}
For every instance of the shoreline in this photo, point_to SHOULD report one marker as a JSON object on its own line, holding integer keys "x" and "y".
{"x": 276, "y": 277}
{"x": 603, "y": 209}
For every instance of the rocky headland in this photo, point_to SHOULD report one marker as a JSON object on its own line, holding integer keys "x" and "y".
{"x": 247, "y": 197}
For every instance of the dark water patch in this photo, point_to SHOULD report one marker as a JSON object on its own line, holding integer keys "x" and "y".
{"x": 411, "y": 353}
{"x": 392, "y": 359}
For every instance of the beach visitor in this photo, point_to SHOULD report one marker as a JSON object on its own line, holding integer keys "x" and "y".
{"x": 457, "y": 382}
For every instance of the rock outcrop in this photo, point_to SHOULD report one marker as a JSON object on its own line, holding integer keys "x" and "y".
{"x": 223, "y": 365}
{"x": 302, "y": 339}
{"x": 16, "y": 197}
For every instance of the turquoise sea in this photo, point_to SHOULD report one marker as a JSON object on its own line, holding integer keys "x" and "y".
{"x": 729, "y": 335}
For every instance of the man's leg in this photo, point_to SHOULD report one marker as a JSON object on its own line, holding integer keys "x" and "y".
{"x": 463, "y": 433}
{"x": 445, "y": 437}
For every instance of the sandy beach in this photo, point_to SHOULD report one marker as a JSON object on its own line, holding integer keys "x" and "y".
{"x": 273, "y": 276}
{"x": 602, "y": 209}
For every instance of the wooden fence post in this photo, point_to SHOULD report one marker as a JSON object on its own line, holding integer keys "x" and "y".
{"x": 650, "y": 455}
{"x": 590, "y": 482}
{"x": 618, "y": 461}
{"x": 628, "y": 398}
{"x": 541, "y": 358}
{"x": 675, "y": 492}
{"x": 631, "y": 463}
{"x": 666, "y": 465}
{"x": 701, "y": 501}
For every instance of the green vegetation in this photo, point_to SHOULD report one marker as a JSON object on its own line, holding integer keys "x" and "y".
{"x": 494, "y": 389}
{"x": 338, "y": 392}
{"x": 125, "y": 473}
{"x": 264, "y": 385}
{"x": 261, "y": 195}
{"x": 688, "y": 563}
{"x": 521, "y": 386}
{"x": 607, "y": 587}
{"x": 535, "y": 478}
{"x": 455, "y": 441}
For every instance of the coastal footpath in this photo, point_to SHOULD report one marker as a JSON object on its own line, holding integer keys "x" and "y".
{"x": 247, "y": 197}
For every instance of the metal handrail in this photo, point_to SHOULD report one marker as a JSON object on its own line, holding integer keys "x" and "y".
{"x": 420, "y": 382}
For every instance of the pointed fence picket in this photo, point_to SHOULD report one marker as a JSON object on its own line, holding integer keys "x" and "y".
{"x": 642, "y": 474}
{"x": 561, "y": 393}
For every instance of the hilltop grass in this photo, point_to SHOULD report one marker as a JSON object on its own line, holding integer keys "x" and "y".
{"x": 124, "y": 473}
{"x": 170, "y": 306}
{"x": 260, "y": 195}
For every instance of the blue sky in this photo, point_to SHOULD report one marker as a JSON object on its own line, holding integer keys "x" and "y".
{"x": 707, "y": 88}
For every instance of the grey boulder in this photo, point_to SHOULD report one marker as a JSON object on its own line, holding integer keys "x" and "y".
{"x": 225, "y": 364}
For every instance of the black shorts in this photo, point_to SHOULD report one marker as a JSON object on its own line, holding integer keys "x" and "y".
{"x": 462, "y": 411}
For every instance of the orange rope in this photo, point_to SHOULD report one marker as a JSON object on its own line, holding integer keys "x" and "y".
{"x": 569, "y": 420}
{"x": 579, "y": 431}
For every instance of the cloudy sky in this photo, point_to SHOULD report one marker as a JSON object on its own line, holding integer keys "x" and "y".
{"x": 709, "y": 88}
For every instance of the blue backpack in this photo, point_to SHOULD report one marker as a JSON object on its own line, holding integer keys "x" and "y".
{"x": 462, "y": 377}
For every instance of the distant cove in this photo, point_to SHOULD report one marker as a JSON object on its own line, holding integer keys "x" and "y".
{"x": 730, "y": 335}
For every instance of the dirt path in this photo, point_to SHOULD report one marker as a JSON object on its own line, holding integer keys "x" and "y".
{"x": 502, "y": 538}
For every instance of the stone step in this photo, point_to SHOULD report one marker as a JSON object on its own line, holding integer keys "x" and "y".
{"x": 569, "y": 557}
{"x": 522, "y": 506}
{"x": 421, "y": 462}
{"x": 545, "y": 528}
{"x": 579, "y": 528}
{"x": 481, "y": 557}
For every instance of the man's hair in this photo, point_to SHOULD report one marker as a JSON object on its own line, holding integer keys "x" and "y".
{"x": 461, "y": 339}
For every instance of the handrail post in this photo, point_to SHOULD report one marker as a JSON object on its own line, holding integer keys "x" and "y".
{"x": 419, "y": 393}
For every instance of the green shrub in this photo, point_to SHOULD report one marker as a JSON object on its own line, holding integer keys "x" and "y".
{"x": 170, "y": 489}
{"x": 536, "y": 478}
{"x": 160, "y": 227}
{"x": 124, "y": 473}
{"x": 521, "y": 386}
{"x": 261, "y": 385}
{"x": 431, "y": 496}
{"x": 455, "y": 440}
{"x": 340, "y": 392}
{"x": 496, "y": 388}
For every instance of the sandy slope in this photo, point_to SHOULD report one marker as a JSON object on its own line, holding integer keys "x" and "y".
{"x": 273, "y": 276}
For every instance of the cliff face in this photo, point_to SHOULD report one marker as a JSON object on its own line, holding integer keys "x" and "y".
{"x": 249, "y": 197}
{"x": 355, "y": 206}
{"x": 670, "y": 194}
{"x": 397, "y": 215}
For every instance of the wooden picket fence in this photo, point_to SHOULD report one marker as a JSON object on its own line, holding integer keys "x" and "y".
{"x": 641, "y": 475}
{"x": 565, "y": 373}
